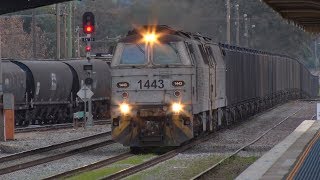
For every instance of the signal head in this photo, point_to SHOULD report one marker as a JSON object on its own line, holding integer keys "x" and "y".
{"x": 88, "y": 22}
{"x": 88, "y": 48}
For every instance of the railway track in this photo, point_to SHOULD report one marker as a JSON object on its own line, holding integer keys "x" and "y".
{"x": 210, "y": 169}
{"x": 93, "y": 166}
{"x": 43, "y": 155}
{"x": 55, "y": 126}
{"x": 154, "y": 161}
{"x": 132, "y": 170}
{"x": 159, "y": 159}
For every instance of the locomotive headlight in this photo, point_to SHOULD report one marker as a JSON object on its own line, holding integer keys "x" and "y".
{"x": 176, "y": 107}
{"x": 124, "y": 108}
{"x": 150, "y": 37}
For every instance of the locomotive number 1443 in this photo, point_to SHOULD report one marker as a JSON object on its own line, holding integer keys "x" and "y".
{"x": 151, "y": 84}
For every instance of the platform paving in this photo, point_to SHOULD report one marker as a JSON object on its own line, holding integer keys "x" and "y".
{"x": 278, "y": 162}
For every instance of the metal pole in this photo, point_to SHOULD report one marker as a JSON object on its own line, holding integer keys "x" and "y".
{"x": 70, "y": 30}
{"x": 75, "y": 28}
{"x": 90, "y": 121}
{"x": 237, "y": 25}
{"x": 34, "y": 36}
{"x": 78, "y": 41}
{"x": 65, "y": 54}
{"x": 58, "y": 55}
{"x": 316, "y": 51}
{"x": 228, "y": 22}
{"x": 85, "y": 114}
{"x": 246, "y": 30}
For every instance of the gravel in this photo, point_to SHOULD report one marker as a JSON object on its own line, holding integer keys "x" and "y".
{"x": 66, "y": 164}
{"x": 239, "y": 135}
{"x": 229, "y": 140}
{"x": 223, "y": 143}
{"x": 33, "y": 140}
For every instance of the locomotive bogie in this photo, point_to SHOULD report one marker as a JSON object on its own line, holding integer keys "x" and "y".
{"x": 152, "y": 127}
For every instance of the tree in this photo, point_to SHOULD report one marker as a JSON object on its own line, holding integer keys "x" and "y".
{"x": 16, "y": 43}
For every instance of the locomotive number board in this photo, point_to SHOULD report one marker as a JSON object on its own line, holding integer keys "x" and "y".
{"x": 148, "y": 84}
{"x": 157, "y": 84}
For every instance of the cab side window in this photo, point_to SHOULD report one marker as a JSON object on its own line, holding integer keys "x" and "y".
{"x": 203, "y": 54}
{"x": 191, "y": 52}
{"x": 210, "y": 55}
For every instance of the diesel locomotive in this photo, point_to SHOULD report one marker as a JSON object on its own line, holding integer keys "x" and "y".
{"x": 45, "y": 91}
{"x": 169, "y": 86}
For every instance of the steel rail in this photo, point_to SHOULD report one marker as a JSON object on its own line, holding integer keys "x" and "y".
{"x": 43, "y": 128}
{"x": 203, "y": 173}
{"x": 49, "y": 158}
{"x": 55, "y": 126}
{"x": 132, "y": 170}
{"x": 52, "y": 147}
{"x": 90, "y": 167}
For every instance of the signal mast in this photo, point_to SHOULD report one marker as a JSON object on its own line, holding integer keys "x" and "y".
{"x": 88, "y": 22}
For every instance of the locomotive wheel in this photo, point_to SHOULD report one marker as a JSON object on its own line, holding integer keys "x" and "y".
{"x": 215, "y": 119}
{"x": 197, "y": 125}
{"x": 26, "y": 123}
{"x": 228, "y": 118}
{"x": 138, "y": 150}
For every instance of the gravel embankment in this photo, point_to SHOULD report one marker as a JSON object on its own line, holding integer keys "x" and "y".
{"x": 65, "y": 164}
{"x": 239, "y": 135}
{"x": 184, "y": 165}
{"x": 229, "y": 140}
{"x": 33, "y": 140}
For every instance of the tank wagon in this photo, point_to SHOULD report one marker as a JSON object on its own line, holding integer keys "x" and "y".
{"x": 170, "y": 86}
{"x": 45, "y": 91}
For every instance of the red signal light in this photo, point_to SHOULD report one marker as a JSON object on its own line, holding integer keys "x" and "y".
{"x": 88, "y": 48}
{"x": 88, "y": 22}
{"x": 88, "y": 29}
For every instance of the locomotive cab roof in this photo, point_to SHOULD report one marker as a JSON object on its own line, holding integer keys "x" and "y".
{"x": 167, "y": 34}
{"x": 163, "y": 39}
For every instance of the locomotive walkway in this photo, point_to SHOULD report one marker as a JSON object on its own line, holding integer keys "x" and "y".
{"x": 296, "y": 157}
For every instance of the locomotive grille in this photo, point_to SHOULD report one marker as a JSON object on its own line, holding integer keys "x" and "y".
{"x": 152, "y": 112}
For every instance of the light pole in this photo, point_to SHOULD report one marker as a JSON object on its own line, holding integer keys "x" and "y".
{"x": 58, "y": 53}
{"x": 228, "y": 21}
{"x": 246, "y": 30}
{"x": 237, "y": 25}
{"x": 34, "y": 35}
{"x": 316, "y": 52}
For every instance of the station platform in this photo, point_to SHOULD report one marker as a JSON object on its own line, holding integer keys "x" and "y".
{"x": 296, "y": 157}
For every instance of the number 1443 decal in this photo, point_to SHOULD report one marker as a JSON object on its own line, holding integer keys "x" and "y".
{"x": 151, "y": 84}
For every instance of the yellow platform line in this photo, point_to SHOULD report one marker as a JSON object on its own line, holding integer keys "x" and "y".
{"x": 303, "y": 157}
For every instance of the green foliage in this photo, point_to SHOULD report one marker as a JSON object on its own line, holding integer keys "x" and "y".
{"x": 113, "y": 168}
{"x": 267, "y": 30}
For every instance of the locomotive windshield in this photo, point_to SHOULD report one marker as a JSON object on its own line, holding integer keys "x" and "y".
{"x": 169, "y": 53}
{"x": 166, "y": 54}
{"x": 133, "y": 54}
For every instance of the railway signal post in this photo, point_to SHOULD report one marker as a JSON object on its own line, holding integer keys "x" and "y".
{"x": 88, "y": 22}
